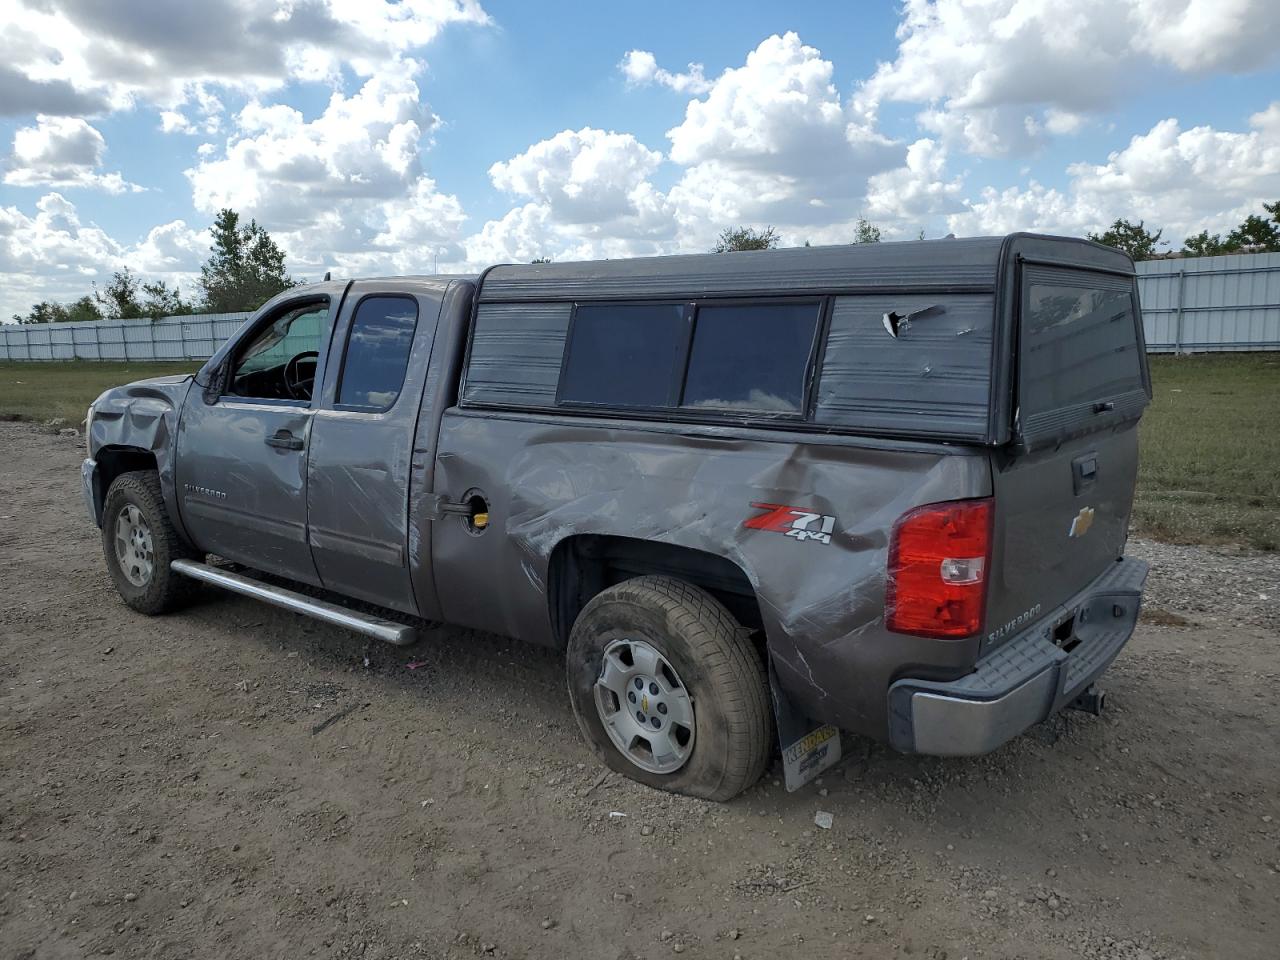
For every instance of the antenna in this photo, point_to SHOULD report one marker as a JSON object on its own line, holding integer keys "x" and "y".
{"x": 327, "y": 276}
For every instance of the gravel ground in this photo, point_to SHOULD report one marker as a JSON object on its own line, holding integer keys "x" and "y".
{"x": 1211, "y": 585}
{"x": 234, "y": 781}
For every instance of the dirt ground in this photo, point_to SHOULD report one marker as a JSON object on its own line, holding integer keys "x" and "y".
{"x": 235, "y": 781}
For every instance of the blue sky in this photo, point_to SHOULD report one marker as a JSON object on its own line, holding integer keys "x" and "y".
{"x": 376, "y": 137}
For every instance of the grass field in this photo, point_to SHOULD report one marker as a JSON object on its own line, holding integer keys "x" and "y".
{"x": 1210, "y": 442}
{"x": 43, "y": 391}
{"x": 1210, "y": 470}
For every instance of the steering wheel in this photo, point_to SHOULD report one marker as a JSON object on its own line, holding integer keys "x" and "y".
{"x": 297, "y": 383}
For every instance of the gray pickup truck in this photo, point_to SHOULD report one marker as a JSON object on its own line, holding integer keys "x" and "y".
{"x": 754, "y": 498}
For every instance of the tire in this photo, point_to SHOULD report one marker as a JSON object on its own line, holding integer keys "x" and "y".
{"x": 142, "y": 575}
{"x": 729, "y": 742}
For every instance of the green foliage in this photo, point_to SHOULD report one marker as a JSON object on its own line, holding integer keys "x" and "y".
{"x": 540, "y": 260}
{"x": 245, "y": 266}
{"x": 1133, "y": 238}
{"x": 1204, "y": 244}
{"x": 1256, "y": 234}
{"x": 125, "y": 297}
{"x": 47, "y": 311}
{"x": 119, "y": 298}
{"x": 746, "y": 238}
{"x": 866, "y": 232}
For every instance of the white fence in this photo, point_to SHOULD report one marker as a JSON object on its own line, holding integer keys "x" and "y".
{"x": 1192, "y": 305}
{"x": 1201, "y": 304}
{"x": 169, "y": 338}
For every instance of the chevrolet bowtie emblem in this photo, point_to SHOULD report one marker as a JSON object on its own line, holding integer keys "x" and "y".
{"x": 1082, "y": 522}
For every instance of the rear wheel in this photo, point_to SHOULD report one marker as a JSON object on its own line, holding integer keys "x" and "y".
{"x": 139, "y": 541}
{"x": 669, "y": 690}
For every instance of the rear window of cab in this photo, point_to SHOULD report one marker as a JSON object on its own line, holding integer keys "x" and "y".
{"x": 750, "y": 358}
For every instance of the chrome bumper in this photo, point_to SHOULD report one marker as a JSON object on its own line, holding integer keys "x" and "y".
{"x": 1025, "y": 681}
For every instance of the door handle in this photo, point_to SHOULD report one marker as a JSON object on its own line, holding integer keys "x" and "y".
{"x": 284, "y": 440}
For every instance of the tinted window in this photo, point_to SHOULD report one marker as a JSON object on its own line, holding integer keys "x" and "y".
{"x": 1079, "y": 345}
{"x": 751, "y": 357}
{"x": 377, "y": 352}
{"x": 279, "y": 361}
{"x": 624, "y": 355}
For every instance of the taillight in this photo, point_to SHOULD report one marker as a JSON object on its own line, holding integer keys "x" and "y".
{"x": 938, "y": 559}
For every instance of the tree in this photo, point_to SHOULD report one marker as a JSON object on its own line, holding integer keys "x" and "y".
{"x": 47, "y": 311}
{"x": 126, "y": 297}
{"x": 245, "y": 266}
{"x": 1133, "y": 238}
{"x": 866, "y": 232}
{"x": 1256, "y": 234}
{"x": 120, "y": 296}
{"x": 1205, "y": 244}
{"x": 159, "y": 301}
{"x": 746, "y": 238}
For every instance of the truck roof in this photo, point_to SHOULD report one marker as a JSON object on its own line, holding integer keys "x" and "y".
{"x": 968, "y": 265}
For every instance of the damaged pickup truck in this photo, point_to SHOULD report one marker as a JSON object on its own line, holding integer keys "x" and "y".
{"x": 752, "y": 497}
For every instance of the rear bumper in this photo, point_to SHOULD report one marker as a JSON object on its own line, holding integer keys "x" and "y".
{"x": 1025, "y": 681}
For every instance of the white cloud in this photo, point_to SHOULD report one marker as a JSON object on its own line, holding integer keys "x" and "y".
{"x": 773, "y": 142}
{"x": 770, "y": 142}
{"x": 69, "y": 55}
{"x": 1198, "y": 36}
{"x": 55, "y": 255}
{"x": 916, "y": 191}
{"x": 640, "y": 67}
{"x": 1180, "y": 180}
{"x": 206, "y": 107}
{"x": 284, "y": 168}
{"x": 584, "y": 176}
{"x": 61, "y": 152}
{"x": 339, "y": 189}
{"x": 589, "y": 195}
{"x": 997, "y": 75}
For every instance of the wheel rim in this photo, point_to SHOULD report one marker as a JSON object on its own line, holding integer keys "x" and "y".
{"x": 644, "y": 706}
{"x": 133, "y": 546}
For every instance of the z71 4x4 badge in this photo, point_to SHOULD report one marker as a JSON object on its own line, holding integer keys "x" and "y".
{"x": 792, "y": 522}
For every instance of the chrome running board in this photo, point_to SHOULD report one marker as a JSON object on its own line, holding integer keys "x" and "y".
{"x": 398, "y": 633}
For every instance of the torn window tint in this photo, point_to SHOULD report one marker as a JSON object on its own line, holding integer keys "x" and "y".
{"x": 1079, "y": 344}
{"x": 751, "y": 357}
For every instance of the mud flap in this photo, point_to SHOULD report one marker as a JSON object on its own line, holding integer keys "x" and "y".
{"x": 808, "y": 747}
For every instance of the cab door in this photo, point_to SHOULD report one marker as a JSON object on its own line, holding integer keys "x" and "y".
{"x": 362, "y": 441}
{"x": 242, "y": 445}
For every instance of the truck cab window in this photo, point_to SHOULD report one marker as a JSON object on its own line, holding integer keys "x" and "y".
{"x": 279, "y": 362}
{"x": 751, "y": 357}
{"x": 377, "y": 354}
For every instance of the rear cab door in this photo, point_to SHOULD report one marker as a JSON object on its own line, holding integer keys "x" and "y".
{"x": 1064, "y": 485}
{"x": 362, "y": 440}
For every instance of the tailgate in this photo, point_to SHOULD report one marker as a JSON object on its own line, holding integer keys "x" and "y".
{"x": 1063, "y": 487}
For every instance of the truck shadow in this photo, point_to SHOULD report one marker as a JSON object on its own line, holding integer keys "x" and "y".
{"x": 481, "y": 674}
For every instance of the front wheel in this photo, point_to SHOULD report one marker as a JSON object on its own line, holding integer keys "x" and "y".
{"x": 139, "y": 541}
{"x": 669, "y": 690}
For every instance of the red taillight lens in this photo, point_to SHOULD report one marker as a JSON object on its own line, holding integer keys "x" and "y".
{"x": 938, "y": 561}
